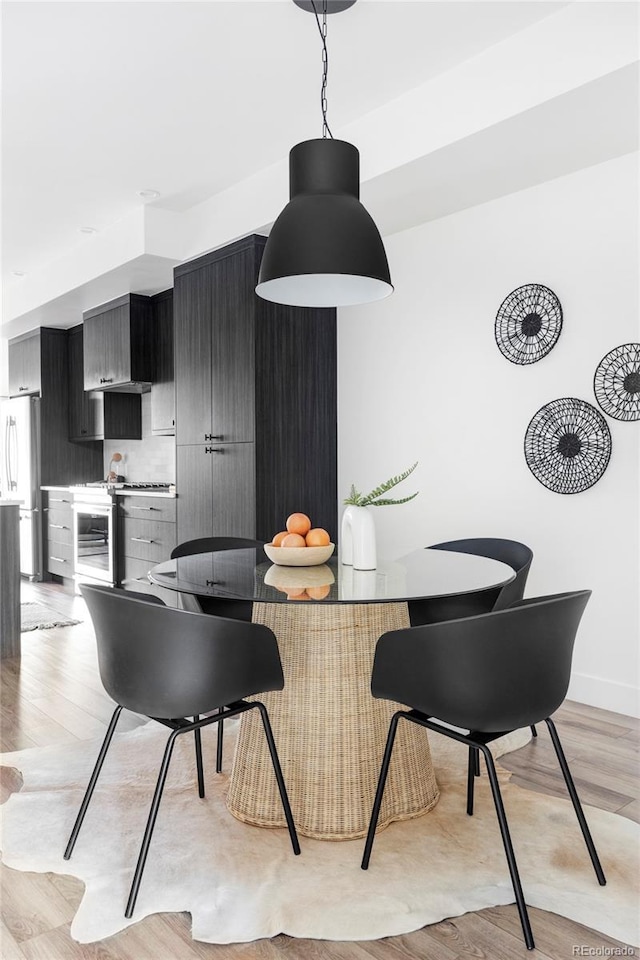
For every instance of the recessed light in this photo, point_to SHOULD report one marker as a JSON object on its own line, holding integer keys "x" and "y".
{"x": 148, "y": 194}
{"x": 18, "y": 274}
{"x": 88, "y": 230}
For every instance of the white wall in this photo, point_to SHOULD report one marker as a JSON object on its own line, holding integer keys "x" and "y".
{"x": 421, "y": 378}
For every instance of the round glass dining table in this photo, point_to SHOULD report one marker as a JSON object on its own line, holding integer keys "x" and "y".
{"x": 329, "y": 730}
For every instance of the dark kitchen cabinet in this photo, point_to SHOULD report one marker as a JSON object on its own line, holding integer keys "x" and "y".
{"x": 146, "y": 536}
{"x": 163, "y": 400}
{"x": 25, "y": 376}
{"x": 217, "y": 490}
{"x": 216, "y": 343}
{"x": 58, "y": 532}
{"x": 119, "y": 346}
{"x": 97, "y": 415}
{"x": 256, "y": 407}
{"x": 61, "y": 460}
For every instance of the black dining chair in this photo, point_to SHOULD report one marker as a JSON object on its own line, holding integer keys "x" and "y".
{"x": 171, "y": 665}
{"x": 216, "y": 606}
{"x": 515, "y": 554}
{"x": 489, "y": 674}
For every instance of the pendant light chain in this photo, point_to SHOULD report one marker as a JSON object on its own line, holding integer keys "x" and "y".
{"x": 326, "y": 130}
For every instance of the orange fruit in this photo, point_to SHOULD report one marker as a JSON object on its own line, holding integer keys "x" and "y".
{"x": 279, "y": 537}
{"x": 298, "y": 595}
{"x": 294, "y": 592}
{"x": 317, "y": 537}
{"x": 292, "y": 540}
{"x": 298, "y": 523}
{"x": 319, "y": 593}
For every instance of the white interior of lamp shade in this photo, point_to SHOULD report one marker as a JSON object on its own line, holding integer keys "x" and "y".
{"x": 324, "y": 290}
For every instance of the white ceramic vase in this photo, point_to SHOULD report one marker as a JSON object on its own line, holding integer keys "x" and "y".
{"x": 358, "y": 538}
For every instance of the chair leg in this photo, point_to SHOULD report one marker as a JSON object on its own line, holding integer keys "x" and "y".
{"x": 568, "y": 779}
{"x": 534, "y": 732}
{"x": 220, "y": 726}
{"x": 199, "y": 766}
{"x": 92, "y": 782}
{"x": 279, "y": 778}
{"x": 477, "y": 763}
{"x": 151, "y": 822}
{"x": 508, "y": 849}
{"x": 382, "y": 779}
{"x": 471, "y": 775}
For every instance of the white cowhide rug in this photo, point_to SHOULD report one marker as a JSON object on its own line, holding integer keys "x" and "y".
{"x": 242, "y": 883}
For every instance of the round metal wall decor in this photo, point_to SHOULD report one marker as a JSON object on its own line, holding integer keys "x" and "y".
{"x": 616, "y": 383}
{"x": 567, "y": 445}
{"x": 528, "y": 323}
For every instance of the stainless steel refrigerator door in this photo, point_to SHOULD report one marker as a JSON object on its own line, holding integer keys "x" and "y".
{"x": 21, "y": 426}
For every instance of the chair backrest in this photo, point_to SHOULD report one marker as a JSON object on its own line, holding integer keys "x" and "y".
{"x": 517, "y": 555}
{"x": 211, "y": 544}
{"x": 494, "y": 672}
{"x": 162, "y": 662}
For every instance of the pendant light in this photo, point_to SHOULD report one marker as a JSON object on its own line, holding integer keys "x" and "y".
{"x": 324, "y": 250}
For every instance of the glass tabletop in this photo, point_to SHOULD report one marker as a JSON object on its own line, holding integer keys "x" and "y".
{"x": 248, "y": 575}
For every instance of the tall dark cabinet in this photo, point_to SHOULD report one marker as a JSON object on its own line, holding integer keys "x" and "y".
{"x": 163, "y": 400}
{"x": 61, "y": 459}
{"x": 256, "y": 409}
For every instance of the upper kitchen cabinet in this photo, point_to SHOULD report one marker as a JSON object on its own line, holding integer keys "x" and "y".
{"x": 98, "y": 415}
{"x": 25, "y": 375}
{"x": 215, "y": 348}
{"x": 119, "y": 345}
{"x": 163, "y": 399}
{"x": 256, "y": 406}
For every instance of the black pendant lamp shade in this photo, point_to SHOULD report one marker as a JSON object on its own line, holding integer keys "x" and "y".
{"x": 324, "y": 250}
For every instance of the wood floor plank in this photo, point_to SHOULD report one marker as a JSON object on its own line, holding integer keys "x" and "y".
{"x": 45, "y": 909}
{"x": 555, "y": 936}
{"x": 631, "y": 810}
{"x": 9, "y": 949}
{"x": 58, "y": 678}
{"x": 59, "y": 945}
{"x": 71, "y": 717}
{"x": 472, "y": 936}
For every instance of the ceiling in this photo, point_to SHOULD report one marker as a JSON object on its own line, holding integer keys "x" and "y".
{"x": 104, "y": 99}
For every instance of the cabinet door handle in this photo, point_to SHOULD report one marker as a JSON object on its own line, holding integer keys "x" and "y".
{"x": 141, "y": 540}
{"x": 132, "y": 507}
{"x": 106, "y": 379}
{"x": 212, "y": 436}
{"x": 22, "y": 388}
{"x": 58, "y": 559}
{"x": 58, "y": 500}
{"x": 213, "y": 450}
{"x": 58, "y": 526}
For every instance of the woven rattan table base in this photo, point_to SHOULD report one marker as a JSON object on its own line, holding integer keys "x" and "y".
{"x": 330, "y": 732}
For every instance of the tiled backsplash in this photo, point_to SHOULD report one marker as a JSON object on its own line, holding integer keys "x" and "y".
{"x": 152, "y": 458}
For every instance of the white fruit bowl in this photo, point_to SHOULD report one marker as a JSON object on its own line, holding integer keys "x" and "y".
{"x": 298, "y": 556}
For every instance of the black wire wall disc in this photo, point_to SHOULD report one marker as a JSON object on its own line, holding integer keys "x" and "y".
{"x": 567, "y": 445}
{"x": 616, "y": 383}
{"x": 528, "y": 323}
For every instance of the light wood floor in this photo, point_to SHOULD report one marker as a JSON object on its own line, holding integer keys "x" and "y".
{"x": 53, "y": 695}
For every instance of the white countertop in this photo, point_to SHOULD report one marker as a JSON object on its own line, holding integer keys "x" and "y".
{"x": 131, "y": 492}
{"x": 145, "y": 493}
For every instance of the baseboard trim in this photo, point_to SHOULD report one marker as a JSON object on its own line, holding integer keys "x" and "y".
{"x": 606, "y": 694}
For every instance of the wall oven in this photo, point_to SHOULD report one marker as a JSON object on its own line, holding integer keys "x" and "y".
{"x": 94, "y": 524}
